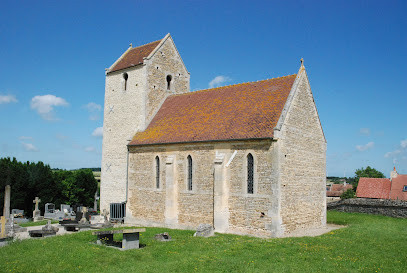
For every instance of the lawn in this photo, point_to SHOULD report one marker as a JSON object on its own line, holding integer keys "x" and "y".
{"x": 38, "y": 223}
{"x": 370, "y": 243}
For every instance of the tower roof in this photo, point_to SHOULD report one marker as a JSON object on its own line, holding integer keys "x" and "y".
{"x": 134, "y": 56}
{"x": 242, "y": 111}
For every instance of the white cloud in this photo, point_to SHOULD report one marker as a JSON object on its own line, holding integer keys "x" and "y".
{"x": 98, "y": 132}
{"x": 44, "y": 105}
{"x": 218, "y": 80}
{"x": 7, "y": 99}
{"x": 25, "y": 138}
{"x": 29, "y": 147}
{"x": 93, "y": 109}
{"x": 364, "y": 131}
{"x": 90, "y": 149}
{"x": 392, "y": 154}
{"x": 365, "y": 147}
{"x": 400, "y": 151}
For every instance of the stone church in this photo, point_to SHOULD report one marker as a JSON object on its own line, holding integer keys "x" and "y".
{"x": 248, "y": 158}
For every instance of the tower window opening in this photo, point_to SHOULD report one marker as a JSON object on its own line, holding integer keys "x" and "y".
{"x": 125, "y": 77}
{"x": 169, "y": 78}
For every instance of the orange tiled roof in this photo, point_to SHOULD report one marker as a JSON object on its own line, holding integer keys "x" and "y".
{"x": 397, "y": 186}
{"x": 135, "y": 56}
{"x": 374, "y": 188}
{"x": 242, "y": 111}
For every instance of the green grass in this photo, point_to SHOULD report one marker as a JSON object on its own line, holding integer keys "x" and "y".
{"x": 370, "y": 243}
{"x": 39, "y": 223}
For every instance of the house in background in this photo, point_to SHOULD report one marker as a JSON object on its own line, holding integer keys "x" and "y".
{"x": 394, "y": 188}
{"x": 336, "y": 190}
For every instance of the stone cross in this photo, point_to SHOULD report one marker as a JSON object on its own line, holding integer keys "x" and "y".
{"x": 83, "y": 219}
{"x": 105, "y": 213}
{"x": 36, "y": 201}
{"x": 6, "y": 209}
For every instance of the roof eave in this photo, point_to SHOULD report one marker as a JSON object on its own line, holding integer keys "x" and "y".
{"x": 199, "y": 141}
{"x": 118, "y": 70}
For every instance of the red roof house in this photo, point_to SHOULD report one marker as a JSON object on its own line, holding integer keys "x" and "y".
{"x": 399, "y": 187}
{"x": 337, "y": 190}
{"x": 383, "y": 188}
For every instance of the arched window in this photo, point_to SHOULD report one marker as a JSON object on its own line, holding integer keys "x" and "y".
{"x": 125, "y": 77}
{"x": 157, "y": 172}
{"x": 169, "y": 79}
{"x": 250, "y": 173}
{"x": 189, "y": 158}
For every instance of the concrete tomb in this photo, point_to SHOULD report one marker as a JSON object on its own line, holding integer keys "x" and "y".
{"x": 52, "y": 213}
{"x": 131, "y": 237}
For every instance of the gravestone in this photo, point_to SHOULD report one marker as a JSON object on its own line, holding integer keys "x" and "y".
{"x": 95, "y": 203}
{"x": 18, "y": 213}
{"x": 6, "y": 209}
{"x": 163, "y": 237}
{"x": 37, "y": 213}
{"x": 84, "y": 220}
{"x": 49, "y": 227}
{"x": 105, "y": 224}
{"x": 204, "y": 230}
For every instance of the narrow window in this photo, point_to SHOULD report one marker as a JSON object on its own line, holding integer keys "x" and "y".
{"x": 125, "y": 77}
{"x": 157, "y": 172}
{"x": 189, "y": 158}
{"x": 169, "y": 78}
{"x": 249, "y": 173}
{"x": 405, "y": 188}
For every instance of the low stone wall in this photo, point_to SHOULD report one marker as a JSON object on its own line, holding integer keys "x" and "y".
{"x": 392, "y": 208}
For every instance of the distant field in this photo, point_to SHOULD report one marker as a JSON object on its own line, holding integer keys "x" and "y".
{"x": 370, "y": 243}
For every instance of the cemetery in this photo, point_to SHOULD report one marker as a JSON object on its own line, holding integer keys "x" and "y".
{"x": 349, "y": 246}
{"x": 368, "y": 243}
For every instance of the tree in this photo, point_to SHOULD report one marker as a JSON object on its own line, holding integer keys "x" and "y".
{"x": 28, "y": 180}
{"x": 78, "y": 187}
{"x": 368, "y": 172}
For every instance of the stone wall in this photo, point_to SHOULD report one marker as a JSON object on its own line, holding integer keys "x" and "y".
{"x": 166, "y": 61}
{"x": 129, "y": 111}
{"x": 302, "y": 159}
{"x": 123, "y": 116}
{"x": 393, "y": 208}
{"x": 246, "y": 213}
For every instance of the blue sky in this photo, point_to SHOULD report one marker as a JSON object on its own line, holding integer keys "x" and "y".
{"x": 53, "y": 55}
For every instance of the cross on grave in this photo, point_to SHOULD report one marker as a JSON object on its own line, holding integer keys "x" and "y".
{"x": 36, "y": 201}
{"x": 105, "y": 214}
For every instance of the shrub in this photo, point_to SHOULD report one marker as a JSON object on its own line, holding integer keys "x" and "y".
{"x": 350, "y": 193}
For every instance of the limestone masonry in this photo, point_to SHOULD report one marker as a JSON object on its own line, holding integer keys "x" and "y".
{"x": 247, "y": 158}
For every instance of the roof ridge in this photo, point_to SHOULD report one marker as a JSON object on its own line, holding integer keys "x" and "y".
{"x": 236, "y": 84}
{"x": 145, "y": 44}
